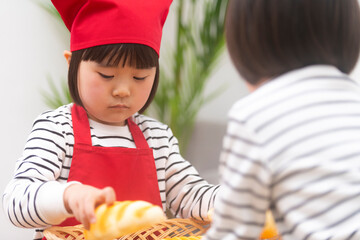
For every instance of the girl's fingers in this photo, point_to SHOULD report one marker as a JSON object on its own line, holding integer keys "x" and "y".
{"x": 86, "y": 224}
{"x": 84, "y": 211}
{"x": 82, "y": 215}
{"x": 89, "y": 207}
{"x": 106, "y": 195}
{"x": 109, "y": 195}
{"x": 86, "y": 199}
{"x": 79, "y": 215}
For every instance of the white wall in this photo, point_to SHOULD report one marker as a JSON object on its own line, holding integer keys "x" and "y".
{"x": 31, "y": 47}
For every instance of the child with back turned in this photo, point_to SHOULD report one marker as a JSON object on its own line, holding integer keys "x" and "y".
{"x": 292, "y": 144}
{"x": 101, "y": 148}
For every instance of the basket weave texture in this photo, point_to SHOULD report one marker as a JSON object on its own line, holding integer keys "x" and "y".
{"x": 184, "y": 238}
{"x": 170, "y": 228}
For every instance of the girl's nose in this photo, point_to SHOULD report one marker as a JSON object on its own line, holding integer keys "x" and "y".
{"x": 121, "y": 91}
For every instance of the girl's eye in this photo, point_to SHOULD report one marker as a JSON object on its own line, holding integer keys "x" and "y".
{"x": 139, "y": 78}
{"x": 105, "y": 76}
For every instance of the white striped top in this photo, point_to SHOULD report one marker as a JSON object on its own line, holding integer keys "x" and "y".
{"x": 34, "y": 197}
{"x": 293, "y": 145}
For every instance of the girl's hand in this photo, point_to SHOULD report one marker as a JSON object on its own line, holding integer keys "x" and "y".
{"x": 81, "y": 200}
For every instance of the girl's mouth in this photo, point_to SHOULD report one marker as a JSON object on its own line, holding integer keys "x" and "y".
{"x": 119, "y": 106}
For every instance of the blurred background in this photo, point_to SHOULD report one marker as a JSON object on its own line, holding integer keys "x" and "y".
{"x": 31, "y": 45}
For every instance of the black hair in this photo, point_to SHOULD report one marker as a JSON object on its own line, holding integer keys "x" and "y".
{"x": 267, "y": 38}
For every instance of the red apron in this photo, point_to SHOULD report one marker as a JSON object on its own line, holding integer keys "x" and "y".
{"x": 130, "y": 171}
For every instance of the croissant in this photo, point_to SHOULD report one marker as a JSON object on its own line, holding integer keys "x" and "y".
{"x": 123, "y": 218}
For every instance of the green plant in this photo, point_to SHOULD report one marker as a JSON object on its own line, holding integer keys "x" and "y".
{"x": 56, "y": 97}
{"x": 199, "y": 44}
{"x": 187, "y": 66}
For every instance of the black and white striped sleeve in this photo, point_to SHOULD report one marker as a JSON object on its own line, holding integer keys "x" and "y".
{"x": 33, "y": 198}
{"x": 244, "y": 195}
{"x": 187, "y": 194}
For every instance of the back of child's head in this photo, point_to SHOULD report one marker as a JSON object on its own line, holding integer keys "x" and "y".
{"x": 267, "y": 38}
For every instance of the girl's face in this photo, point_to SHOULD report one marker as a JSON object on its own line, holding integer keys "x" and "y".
{"x": 111, "y": 94}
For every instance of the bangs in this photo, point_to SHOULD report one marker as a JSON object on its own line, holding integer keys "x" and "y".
{"x": 136, "y": 55}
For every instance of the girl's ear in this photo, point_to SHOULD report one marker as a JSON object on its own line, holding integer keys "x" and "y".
{"x": 67, "y": 55}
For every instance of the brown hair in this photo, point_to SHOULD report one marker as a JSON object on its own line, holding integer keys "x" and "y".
{"x": 137, "y": 55}
{"x": 267, "y": 38}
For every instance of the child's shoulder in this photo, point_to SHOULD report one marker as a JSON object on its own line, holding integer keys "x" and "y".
{"x": 60, "y": 115}
{"x": 155, "y": 132}
{"x": 146, "y": 122}
{"x": 240, "y": 110}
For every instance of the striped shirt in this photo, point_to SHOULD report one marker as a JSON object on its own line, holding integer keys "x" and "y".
{"x": 34, "y": 197}
{"x": 293, "y": 146}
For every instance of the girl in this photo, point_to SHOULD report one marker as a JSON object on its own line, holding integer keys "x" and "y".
{"x": 292, "y": 145}
{"x": 100, "y": 148}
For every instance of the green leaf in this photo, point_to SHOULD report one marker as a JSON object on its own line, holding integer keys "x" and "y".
{"x": 56, "y": 97}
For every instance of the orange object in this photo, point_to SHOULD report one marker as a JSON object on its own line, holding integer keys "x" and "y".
{"x": 269, "y": 231}
{"x": 123, "y": 217}
{"x": 211, "y": 214}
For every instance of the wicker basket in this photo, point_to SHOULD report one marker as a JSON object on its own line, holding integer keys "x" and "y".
{"x": 184, "y": 238}
{"x": 170, "y": 228}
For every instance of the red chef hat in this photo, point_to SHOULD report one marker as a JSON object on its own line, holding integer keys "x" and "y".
{"x": 99, "y": 22}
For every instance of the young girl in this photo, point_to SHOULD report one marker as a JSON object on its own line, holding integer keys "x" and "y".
{"x": 100, "y": 148}
{"x": 292, "y": 145}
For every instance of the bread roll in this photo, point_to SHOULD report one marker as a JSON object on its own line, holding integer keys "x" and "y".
{"x": 123, "y": 218}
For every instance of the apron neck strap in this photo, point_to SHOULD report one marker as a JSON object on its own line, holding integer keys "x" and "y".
{"x": 82, "y": 134}
{"x": 137, "y": 134}
{"x": 81, "y": 126}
